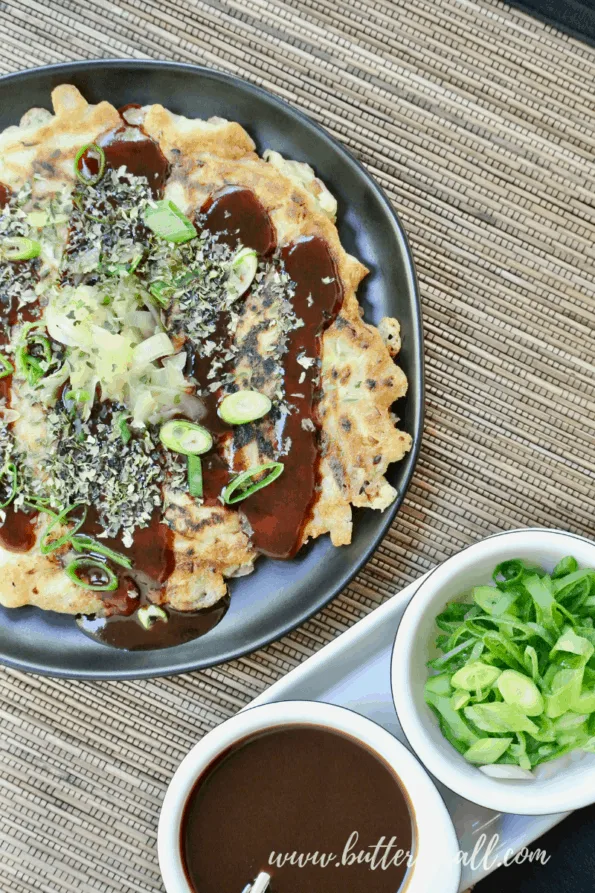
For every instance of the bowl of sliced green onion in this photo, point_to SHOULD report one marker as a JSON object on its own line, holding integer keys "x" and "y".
{"x": 493, "y": 672}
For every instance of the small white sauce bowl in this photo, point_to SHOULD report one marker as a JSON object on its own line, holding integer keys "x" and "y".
{"x": 572, "y": 785}
{"x": 436, "y": 865}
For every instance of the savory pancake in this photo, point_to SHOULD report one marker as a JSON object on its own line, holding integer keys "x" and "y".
{"x": 187, "y": 380}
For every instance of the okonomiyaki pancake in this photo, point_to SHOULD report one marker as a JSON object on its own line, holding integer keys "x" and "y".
{"x": 186, "y": 379}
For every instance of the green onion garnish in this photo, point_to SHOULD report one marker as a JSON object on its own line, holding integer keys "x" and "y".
{"x": 83, "y": 543}
{"x": 168, "y": 222}
{"x": 9, "y": 478}
{"x": 47, "y": 545}
{"x": 125, "y": 432}
{"x": 242, "y": 271}
{"x": 243, "y": 406}
{"x": 97, "y": 155}
{"x": 121, "y": 269}
{"x": 148, "y": 614}
{"x": 133, "y": 265}
{"x": 79, "y": 396}
{"x": 6, "y": 367}
{"x": 185, "y": 437}
{"x": 516, "y": 683}
{"x": 160, "y": 291}
{"x": 248, "y": 482}
{"x": 91, "y": 564}
{"x": 195, "y": 476}
{"x": 19, "y": 248}
{"x": 29, "y": 366}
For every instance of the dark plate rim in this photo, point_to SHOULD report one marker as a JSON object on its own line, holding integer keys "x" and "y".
{"x": 343, "y": 580}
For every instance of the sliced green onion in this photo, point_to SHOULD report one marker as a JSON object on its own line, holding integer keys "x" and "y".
{"x": 148, "y": 614}
{"x": 568, "y": 565}
{"x": 85, "y": 563}
{"x": 247, "y": 483}
{"x": 521, "y": 692}
{"x": 439, "y": 685}
{"x": 160, "y": 291}
{"x": 517, "y": 666}
{"x": 487, "y": 750}
{"x": 123, "y": 427}
{"x": 40, "y": 505}
{"x": 185, "y": 437}
{"x": 81, "y": 542}
{"x": 9, "y": 471}
{"x": 28, "y": 366}
{"x": 45, "y": 346}
{"x": 6, "y": 367}
{"x": 243, "y": 407}
{"x": 92, "y": 149}
{"x": 475, "y": 676}
{"x": 492, "y": 600}
{"x": 167, "y": 221}
{"x": 19, "y": 248}
{"x": 195, "y": 477}
{"x": 133, "y": 265}
{"x": 509, "y": 573}
{"x": 242, "y": 271}
{"x": 47, "y": 545}
{"x": 460, "y": 699}
{"x": 456, "y": 724}
{"x": 499, "y": 717}
{"x": 79, "y": 396}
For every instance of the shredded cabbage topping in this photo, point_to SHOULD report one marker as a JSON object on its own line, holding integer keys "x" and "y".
{"x": 115, "y": 345}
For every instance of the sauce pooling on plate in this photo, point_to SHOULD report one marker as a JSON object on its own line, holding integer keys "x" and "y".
{"x": 302, "y": 790}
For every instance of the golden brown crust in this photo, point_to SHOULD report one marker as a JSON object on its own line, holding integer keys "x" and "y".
{"x": 46, "y": 144}
{"x": 192, "y": 137}
{"x": 31, "y": 578}
{"x": 209, "y": 544}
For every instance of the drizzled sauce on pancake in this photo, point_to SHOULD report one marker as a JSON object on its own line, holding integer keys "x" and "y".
{"x": 151, "y": 553}
{"x": 278, "y": 513}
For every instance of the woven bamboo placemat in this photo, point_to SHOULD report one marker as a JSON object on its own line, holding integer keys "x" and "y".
{"x": 478, "y": 122}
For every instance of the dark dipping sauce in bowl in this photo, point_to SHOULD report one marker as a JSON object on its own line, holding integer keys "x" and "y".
{"x": 297, "y": 789}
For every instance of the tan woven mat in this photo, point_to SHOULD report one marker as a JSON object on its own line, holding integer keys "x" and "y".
{"x": 478, "y": 121}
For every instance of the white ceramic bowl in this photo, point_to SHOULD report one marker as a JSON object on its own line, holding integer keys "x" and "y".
{"x": 436, "y": 863}
{"x": 572, "y": 786}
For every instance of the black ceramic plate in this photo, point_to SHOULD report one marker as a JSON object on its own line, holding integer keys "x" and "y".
{"x": 278, "y": 596}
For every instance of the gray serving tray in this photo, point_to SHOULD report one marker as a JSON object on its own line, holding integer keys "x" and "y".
{"x": 354, "y": 671}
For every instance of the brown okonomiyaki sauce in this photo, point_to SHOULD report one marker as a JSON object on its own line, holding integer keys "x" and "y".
{"x": 17, "y": 534}
{"x": 284, "y": 792}
{"x": 151, "y": 553}
{"x": 141, "y": 156}
{"x": 278, "y": 513}
{"x": 5, "y": 194}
